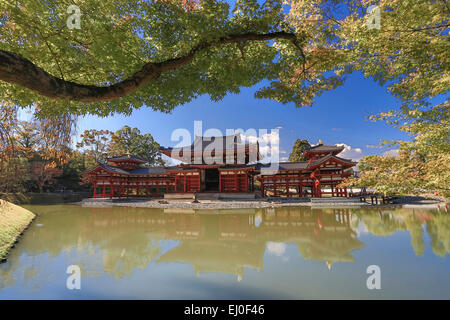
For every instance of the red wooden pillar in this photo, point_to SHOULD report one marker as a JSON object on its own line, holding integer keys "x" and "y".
{"x": 111, "y": 189}
{"x": 246, "y": 181}
{"x": 220, "y": 181}
{"x": 185, "y": 182}
{"x": 275, "y": 188}
{"x": 300, "y": 189}
{"x": 317, "y": 192}
{"x": 262, "y": 188}
{"x": 287, "y": 187}
{"x": 236, "y": 186}
{"x": 95, "y": 189}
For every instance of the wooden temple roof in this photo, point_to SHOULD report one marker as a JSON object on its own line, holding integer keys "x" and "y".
{"x": 285, "y": 166}
{"x": 331, "y": 156}
{"x": 126, "y": 157}
{"x": 217, "y": 144}
{"x": 323, "y": 148}
{"x": 137, "y": 171}
{"x": 149, "y": 170}
{"x": 113, "y": 169}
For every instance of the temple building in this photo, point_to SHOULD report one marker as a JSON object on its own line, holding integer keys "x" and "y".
{"x": 223, "y": 165}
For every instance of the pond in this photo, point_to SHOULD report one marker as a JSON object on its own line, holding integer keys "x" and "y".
{"x": 278, "y": 253}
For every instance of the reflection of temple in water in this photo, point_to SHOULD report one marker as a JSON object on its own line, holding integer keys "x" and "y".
{"x": 117, "y": 241}
{"x": 332, "y": 242}
{"x": 229, "y": 242}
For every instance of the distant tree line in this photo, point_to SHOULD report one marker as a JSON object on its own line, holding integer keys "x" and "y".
{"x": 39, "y": 156}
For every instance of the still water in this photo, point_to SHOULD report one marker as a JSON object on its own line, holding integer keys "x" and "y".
{"x": 282, "y": 253}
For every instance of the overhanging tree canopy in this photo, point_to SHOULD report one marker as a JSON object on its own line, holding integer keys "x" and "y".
{"x": 165, "y": 53}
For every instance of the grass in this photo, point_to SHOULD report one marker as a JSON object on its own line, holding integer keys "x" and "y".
{"x": 13, "y": 220}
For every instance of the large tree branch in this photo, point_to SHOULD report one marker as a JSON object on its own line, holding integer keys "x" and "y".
{"x": 18, "y": 70}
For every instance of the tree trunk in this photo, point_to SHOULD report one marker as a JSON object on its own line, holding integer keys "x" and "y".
{"x": 17, "y": 69}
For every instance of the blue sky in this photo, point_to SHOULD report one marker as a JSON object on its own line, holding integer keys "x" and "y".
{"x": 338, "y": 116}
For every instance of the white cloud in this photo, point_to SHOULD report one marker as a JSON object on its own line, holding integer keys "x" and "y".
{"x": 350, "y": 153}
{"x": 391, "y": 153}
{"x": 276, "y": 248}
{"x": 268, "y": 138}
{"x": 268, "y": 145}
{"x": 170, "y": 161}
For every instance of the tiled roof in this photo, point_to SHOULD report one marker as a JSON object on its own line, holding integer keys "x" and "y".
{"x": 150, "y": 170}
{"x": 113, "y": 169}
{"x": 293, "y": 165}
{"x": 220, "y": 143}
{"x": 327, "y": 157}
{"x": 324, "y": 148}
{"x": 244, "y": 166}
{"x": 284, "y": 166}
{"x": 126, "y": 157}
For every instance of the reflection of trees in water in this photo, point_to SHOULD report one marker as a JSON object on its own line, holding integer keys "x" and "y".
{"x": 386, "y": 222}
{"x": 9, "y": 276}
{"x": 118, "y": 240}
{"x": 122, "y": 261}
{"x": 438, "y": 229}
{"x": 110, "y": 240}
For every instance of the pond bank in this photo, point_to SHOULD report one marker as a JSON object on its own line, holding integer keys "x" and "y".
{"x": 406, "y": 202}
{"x": 45, "y": 198}
{"x": 13, "y": 221}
